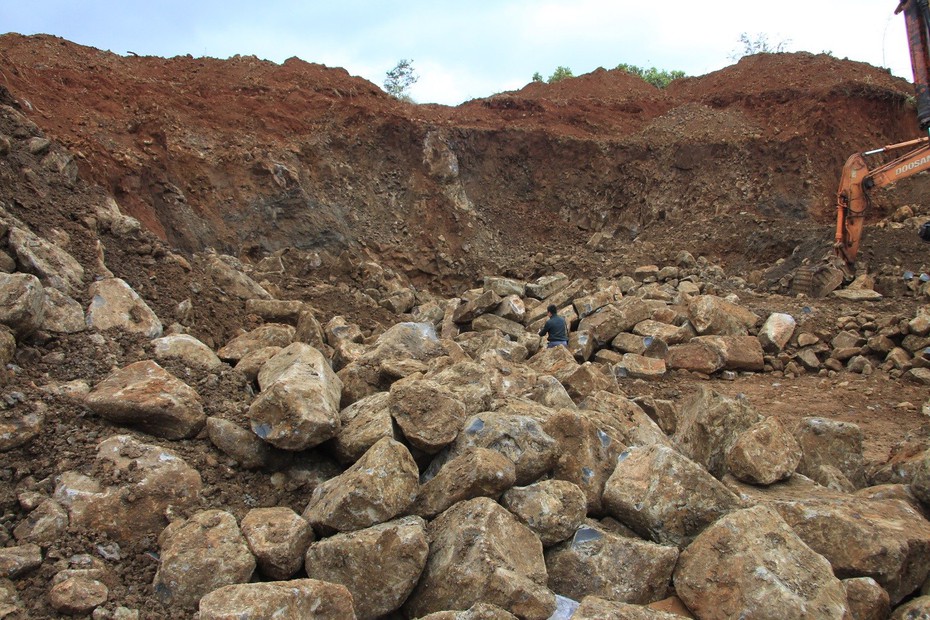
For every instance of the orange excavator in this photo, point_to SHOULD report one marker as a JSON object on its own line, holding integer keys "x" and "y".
{"x": 857, "y": 180}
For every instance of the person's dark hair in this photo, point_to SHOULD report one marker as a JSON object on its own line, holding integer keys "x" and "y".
{"x": 552, "y": 309}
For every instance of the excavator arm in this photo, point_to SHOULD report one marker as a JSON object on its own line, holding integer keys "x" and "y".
{"x": 857, "y": 179}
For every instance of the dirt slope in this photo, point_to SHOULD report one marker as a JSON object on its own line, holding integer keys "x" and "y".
{"x": 209, "y": 152}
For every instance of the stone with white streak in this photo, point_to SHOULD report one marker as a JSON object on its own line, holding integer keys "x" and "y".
{"x": 115, "y": 305}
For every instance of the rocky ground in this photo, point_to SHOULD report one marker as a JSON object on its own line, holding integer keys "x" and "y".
{"x": 268, "y": 326}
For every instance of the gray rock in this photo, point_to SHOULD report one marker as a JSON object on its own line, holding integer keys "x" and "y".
{"x": 379, "y": 565}
{"x": 278, "y": 538}
{"x": 298, "y": 407}
{"x": 378, "y": 487}
{"x": 751, "y": 564}
{"x": 480, "y": 552}
{"x": 297, "y": 598}
{"x": 114, "y": 305}
{"x": 199, "y": 555}
{"x": 646, "y": 489}
{"x": 597, "y": 563}
{"x": 143, "y": 395}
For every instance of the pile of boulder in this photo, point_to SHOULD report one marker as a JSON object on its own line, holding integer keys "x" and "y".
{"x": 474, "y": 472}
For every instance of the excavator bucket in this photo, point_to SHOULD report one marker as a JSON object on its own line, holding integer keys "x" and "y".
{"x": 817, "y": 280}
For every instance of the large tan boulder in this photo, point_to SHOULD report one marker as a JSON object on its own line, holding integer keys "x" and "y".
{"x": 553, "y": 509}
{"x": 597, "y": 563}
{"x": 866, "y": 599}
{"x": 750, "y": 564}
{"x": 144, "y": 395}
{"x": 278, "y": 538}
{"x": 186, "y": 348}
{"x": 199, "y": 555}
{"x": 664, "y": 496}
{"x": 362, "y": 424}
{"x": 476, "y": 472}
{"x": 378, "y": 487}
{"x": 115, "y": 305}
{"x": 832, "y": 453}
{"x": 776, "y": 331}
{"x": 884, "y": 539}
{"x": 596, "y": 608}
{"x": 520, "y": 438}
{"x": 429, "y": 415}
{"x": 708, "y": 426}
{"x": 270, "y": 335}
{"x": 298, "y": 407}
{"x": 623, "y": 420}
{"x": 53, "y": 265}
{"x": 379, "y": 565}
{"x": 22, "y": 302}
{"x": 239, "y": 443}
{"x": 480, "y": 552}
{"x": 297, "y": 598}
{"x": 711, "y": 315}
{"x": 764, "y": 453}
{"x": 586, "y": 454}
{"x": 229, "y": 275}
{"x": 156, "y": 482}
{"x": 737, "y": 352}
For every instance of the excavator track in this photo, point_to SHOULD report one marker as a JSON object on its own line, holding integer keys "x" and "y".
{"x": 816, "y": 280}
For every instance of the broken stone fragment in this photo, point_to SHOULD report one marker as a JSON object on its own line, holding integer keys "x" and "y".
{"x": 296, "y": 598}
{"x": 186, "y": 348}
{"x": 362, "y": 425}
{"x": 752, "y": 559}
{"x": 831, "y": 447}
{"x": 225, "y": 273}
{"x": 270, "y": 335}
{"x": 19, "y": 430}
{"x": 199, "y": 555}
{"x": 429, "y": 416}
{"x": 115, "y": 305}
{"x": 776, "y": 331}
{"x": 587, "y": 565}
{"x": 378, "y": 487}
{"x": 476, "y": 472}
{"x": 553, "y": 509}
{"x": 866, "y": 599}
{"x": 764, "y": 453}
{"x": 19, "y": 560}
{"x": 278, "y": 537}
{"x": 596, "y": 608}
{"x": 645, "y": 490}
{"x": 54, "y": 266}
{"x": 44, "y": 525}
{"x": 712, "y": 315}
{"x": 146, "y": 396}
{"x": 22, "y": 303}
{"x": 520, "y": 438}
{"x": 77, "y": 595}
{"x": 379, "y": 565}
{"x": 239, "y": 443}
{"x": 63, "y": 314}
{"x": 480, "y": 552}
{"x": 298, "y": 407}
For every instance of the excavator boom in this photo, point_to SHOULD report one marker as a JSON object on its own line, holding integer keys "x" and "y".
{"x": 852, "y": 198}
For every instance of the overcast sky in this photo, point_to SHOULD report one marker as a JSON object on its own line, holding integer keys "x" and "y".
{"x": 473, "y": 48}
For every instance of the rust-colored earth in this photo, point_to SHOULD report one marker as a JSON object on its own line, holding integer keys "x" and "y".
{"x": 592, "y": 176}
